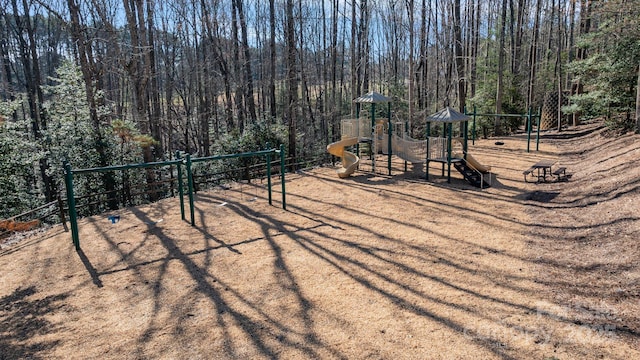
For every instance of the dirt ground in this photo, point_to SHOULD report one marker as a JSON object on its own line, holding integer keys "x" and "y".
{"x": 368, "y": 267}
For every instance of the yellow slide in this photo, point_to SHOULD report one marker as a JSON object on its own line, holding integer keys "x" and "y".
{"x": 350, "y": 160}
{"x": 475, "y": 164}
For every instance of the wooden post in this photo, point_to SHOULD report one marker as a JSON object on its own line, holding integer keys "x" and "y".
{"x": 63, "y": 220}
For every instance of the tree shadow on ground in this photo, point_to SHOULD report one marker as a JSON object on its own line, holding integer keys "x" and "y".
{"x": 22, "y": 317}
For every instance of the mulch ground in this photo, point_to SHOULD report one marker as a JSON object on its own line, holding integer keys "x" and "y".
{"x": 372, "y": 266}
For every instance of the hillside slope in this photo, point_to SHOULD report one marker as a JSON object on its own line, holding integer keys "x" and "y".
{"x": 587, "y": 245}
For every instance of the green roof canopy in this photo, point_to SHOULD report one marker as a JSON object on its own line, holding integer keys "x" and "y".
{"x": 447, "y": 115}
{"x": 372, "y": 98}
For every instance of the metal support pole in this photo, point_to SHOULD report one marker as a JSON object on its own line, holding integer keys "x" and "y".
{"x": 389, "y": 139}
{"x": 465, "y": 144}
{"x": 71, "y": 201}
{"x": 528, "y": 128}
{"x": 190, "y": 184}
{"x": 358, "y": 121}
{"x": 180, "y": 186}
{"x": 538, "y": 130}
{"x": 473, "y": 130}
{"x": 427, "y": 159}
{"x": 373, "y": 117}
{"x": 449, "y": 136}
{"x": 284, "y": 196}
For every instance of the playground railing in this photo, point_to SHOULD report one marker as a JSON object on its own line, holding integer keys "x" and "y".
{"x": 360, "y": 128}
{"x": 408, "y": 149}
{"x": 437, "y": 148}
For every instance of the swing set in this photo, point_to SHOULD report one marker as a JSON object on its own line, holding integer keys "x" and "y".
{"x": 182, "y": 166}
{"x": 529, "y": 124}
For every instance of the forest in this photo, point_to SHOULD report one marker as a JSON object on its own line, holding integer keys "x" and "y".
{"x": 99, "y": 83}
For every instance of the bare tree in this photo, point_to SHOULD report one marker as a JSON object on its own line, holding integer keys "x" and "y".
{"x": 459, "y": 60}
{"x": 291, "y": 110}
{"x": 533, "y": 56}
{"x": 500, "y": 85}
{"x": 24, "y": 26}
{"x": 246, "y": 62}
{"x": 89, "y": 74}
{"x": 272, "y": 59}
{"x": 410, "y": 10}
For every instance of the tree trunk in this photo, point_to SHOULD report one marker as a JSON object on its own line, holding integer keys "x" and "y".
{"x": 422, "y": 62}
{"x": 521, "y": 19}
{"x": 499, "y": 91}
{"x": 246, "y": 62}
{"x": 459, "y": 60}
{"x": 6, "y": 91}
{"x": 533, "y": 57}
{"x": 272, "y": 59}
{"x": 31, "y": 70}
{"x": 411, "y": 65}
{"x": 292, "y": 80}
{"x": 585, "y": 26}
{"x": 140, "y": 72}
{"x": 334, "y": 105}
{"x": 364, "y": 57}
{"x": 474, "y": 48}
{"x": 211, "y": 30}
{"x": 354, "y": 60}
{"x": 559, "y": 65}
{"x": 153, "y": 89}
{"x": 239, "y": 79}
{"x": 88, "y": 74}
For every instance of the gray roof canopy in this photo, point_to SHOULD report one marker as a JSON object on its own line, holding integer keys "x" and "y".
{"x": 447, "y": 115}
{"x": 372, "y": 98}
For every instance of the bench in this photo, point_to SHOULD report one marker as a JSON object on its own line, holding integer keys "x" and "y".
{"x": 561, "y": 174}
{"x": 527, "y": 172}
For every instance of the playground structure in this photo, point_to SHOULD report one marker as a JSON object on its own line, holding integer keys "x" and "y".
{"x": 392, "y": 139}
{"x": 355, "y": 131}
{"x": 187, "y": 163}
{"x": 350, "y": 161}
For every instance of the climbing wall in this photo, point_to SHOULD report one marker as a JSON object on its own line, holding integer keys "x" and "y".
{"x": 549, "y": 116}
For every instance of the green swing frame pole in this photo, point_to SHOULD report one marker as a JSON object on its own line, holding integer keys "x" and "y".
{"x": 190, "y": 185}
{"x": 505, "y": 115}
{"x": 269, "y": 173}
{"x": 358, "y": 128}
{"x": 538, "y": 129}
{"x": 282, "y": 172}
{"x": 427, "y": 156}
{"x": 126, "y": 167}
{"x": 473, "y": 130}
{"x": 449, "y": 137}
{"x": 180, "y": 185}
{"x": 465, "y": 137}
{"x": 373, "y": 117}
{"x": 389, "y": 150}
{"x": 529, "y": 129}
{"x": 232, "y": 156}
{"x": 71, "y": 201}
{"x": 371, "y": 134}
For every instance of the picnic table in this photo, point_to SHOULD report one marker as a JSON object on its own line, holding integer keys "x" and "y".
{"x": 542, "y": 169}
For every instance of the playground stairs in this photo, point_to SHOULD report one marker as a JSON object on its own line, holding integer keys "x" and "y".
{"x": 471, "y": 175}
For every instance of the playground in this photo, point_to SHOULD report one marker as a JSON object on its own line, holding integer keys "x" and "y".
{"x": 375, "y": 265}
